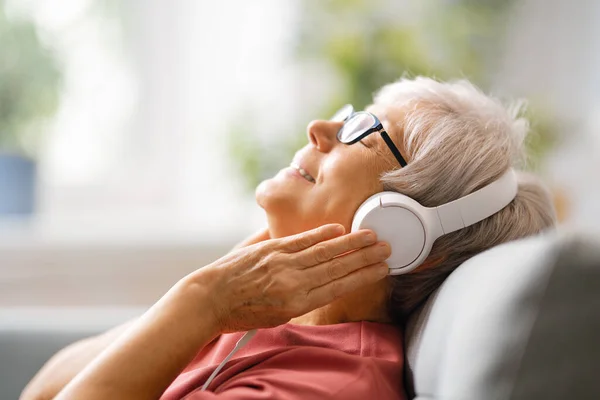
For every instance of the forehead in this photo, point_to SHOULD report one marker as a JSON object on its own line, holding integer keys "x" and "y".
{"x": 390, "y": 114}
{"x": 391, "y": 118}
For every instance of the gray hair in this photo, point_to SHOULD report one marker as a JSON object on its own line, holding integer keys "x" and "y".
{"x": 457, "y": 140}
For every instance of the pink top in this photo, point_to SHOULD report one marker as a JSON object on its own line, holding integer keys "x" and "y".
{"x": 355, "y": 360}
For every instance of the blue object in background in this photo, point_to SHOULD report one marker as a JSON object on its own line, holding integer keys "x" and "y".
{"x": 17, "y": 185}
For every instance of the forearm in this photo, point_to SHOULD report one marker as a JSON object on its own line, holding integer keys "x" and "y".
{"x": 67, "y": 363}
{"x": 142, "y": 363}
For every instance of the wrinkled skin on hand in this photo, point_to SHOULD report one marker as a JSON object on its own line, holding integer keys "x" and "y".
{"x": 268, "y": 283}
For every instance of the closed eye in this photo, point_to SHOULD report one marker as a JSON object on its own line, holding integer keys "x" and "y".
{"x": 363, "y": 143}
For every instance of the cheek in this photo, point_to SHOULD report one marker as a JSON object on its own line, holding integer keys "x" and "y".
{"x": 347, "y": 191}
{"x": 356, "y": 178}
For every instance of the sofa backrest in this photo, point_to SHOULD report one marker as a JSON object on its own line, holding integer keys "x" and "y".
{"x": 520, "y": 321}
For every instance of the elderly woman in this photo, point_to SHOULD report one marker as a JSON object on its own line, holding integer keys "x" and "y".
{"x": 329, "y": 312}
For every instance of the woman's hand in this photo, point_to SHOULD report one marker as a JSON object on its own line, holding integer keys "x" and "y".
{"x": 269, "y": 283}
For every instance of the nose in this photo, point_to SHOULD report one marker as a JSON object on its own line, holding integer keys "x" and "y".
{"x": 322, "y": 134}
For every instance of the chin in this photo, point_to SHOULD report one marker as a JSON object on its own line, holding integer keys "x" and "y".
{"x": 260, "y": 194}
{"x": 271, "y": 195}
{"x": 283, "y": 210}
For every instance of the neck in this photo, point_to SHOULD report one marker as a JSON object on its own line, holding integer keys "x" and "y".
{"x": 366, "y": 304}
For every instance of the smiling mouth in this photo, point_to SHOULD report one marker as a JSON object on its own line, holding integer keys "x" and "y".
{"x": 302, "y": 172}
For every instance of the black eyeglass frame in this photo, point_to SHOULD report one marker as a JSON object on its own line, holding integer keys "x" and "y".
{"x": 377, "y": 127}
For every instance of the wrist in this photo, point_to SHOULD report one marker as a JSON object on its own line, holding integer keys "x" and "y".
{"x": 195, "y": 296}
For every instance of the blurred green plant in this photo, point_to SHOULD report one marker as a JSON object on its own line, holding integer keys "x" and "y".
{"x": 369, "y": 43}
{"x": 29, "y": 85}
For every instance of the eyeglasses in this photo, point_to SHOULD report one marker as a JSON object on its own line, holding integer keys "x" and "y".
{"x": 358, "y": 125}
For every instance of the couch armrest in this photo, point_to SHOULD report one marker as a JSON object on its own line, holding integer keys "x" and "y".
{"x": 30, "y": 336}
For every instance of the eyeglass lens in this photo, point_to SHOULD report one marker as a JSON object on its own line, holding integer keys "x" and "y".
{"x": 356, "y": 126}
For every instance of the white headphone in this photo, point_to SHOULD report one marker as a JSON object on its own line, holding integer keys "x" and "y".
{"x": 411, "y": 229}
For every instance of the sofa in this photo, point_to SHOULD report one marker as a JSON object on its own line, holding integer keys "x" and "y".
{"x": 519, "y": 321}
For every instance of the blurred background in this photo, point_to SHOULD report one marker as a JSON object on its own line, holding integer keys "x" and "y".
{"x": 132, "y": 134}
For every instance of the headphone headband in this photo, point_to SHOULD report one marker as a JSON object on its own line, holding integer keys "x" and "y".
{"x": 478, "y": 205}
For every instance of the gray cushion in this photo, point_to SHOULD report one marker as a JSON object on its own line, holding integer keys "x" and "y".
{"x": 520, "y": 321}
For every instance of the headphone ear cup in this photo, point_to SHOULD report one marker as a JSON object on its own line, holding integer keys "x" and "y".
{"x": 399, "y": 225}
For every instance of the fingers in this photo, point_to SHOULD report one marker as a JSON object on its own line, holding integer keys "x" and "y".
{"x": 339, "y": 267}
{"x": 305, "y": 240}
{"x": 325, "y": 251}
{"x": 331, "y": 291}
{"x": 258, "y": 237}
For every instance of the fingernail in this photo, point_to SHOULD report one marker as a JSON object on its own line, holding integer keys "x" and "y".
{"x": 339, "y": 230}
{"x": 370, "y": 237}
{"x": 383, "y": 249}
{"x": 383, "y": 269}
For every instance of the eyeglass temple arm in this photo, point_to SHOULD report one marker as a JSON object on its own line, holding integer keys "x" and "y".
{"x": 393, "y": 148}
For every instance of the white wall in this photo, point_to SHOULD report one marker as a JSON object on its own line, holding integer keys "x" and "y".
{"x": 553, "y": 54}
{"x": 137, "y": 186}
{"x": 140, "y": 139}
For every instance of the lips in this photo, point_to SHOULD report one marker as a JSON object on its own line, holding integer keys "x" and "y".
{"x": 303, "y": 172}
